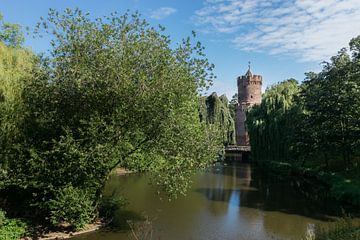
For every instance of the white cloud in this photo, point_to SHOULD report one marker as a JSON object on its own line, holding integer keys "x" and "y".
{"x": 312, "y": 30}
{"x": 162, "y": 13}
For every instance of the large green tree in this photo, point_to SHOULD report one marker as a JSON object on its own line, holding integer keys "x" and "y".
{"x": 332, "y": 102}
{"x": 271, "y": 124}
{"x": 113, "y": 93}
{"x": 318, "y": 120}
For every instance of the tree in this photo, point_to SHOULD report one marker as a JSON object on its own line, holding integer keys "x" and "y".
{"x": 232, "y": 105}
{"x": 113, "y": 93}
{"x": 317, "y": 120}
{"x": 271, "y": 124}
{"x": 15, "y": 67}
{"x": 10, "y": 33}
{"x": 215, "y": 112}
{"x": 332, "y": 101}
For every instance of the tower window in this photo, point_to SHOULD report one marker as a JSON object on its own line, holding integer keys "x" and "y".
{"x": 251, "y": 96}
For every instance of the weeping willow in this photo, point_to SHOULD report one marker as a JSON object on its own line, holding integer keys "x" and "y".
{"x": 215, "y": 110}
{"x": 271, "y": 124}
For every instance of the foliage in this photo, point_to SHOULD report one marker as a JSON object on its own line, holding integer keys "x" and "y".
{"x": 73, "y": 206}
{"x": 215, "y": 111}
{"x": 15, "y": 68}
{"x": 232, "y": 105}
{"x": 10, "y": 33}
{"x": 332, "y": 101}
{"x": 271, "y": 124}
{"x": 112, "y": 93}
{"x": 345, "y": 190}
{"x": 315, "y": 121}
{"x": 11, "y": 229}
{"x": 315, "y": 124}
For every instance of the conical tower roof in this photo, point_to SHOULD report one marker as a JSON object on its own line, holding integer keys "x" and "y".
{"x": 249, "y": 73}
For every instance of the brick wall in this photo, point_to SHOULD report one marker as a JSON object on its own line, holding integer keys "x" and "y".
{"x": 249, "y": 93}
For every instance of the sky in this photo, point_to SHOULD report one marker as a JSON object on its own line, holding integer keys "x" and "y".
{"x": 281, "y": 39}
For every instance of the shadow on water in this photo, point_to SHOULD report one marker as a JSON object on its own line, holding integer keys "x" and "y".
{"x": 121, "y": 220}
{"x": 240, "y": 185}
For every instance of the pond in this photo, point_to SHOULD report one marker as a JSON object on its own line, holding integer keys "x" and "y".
{"x": 225, "y": 202}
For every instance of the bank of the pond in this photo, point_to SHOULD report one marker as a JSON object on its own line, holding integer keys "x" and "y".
{"x": 122, "y": 171}
{"x": 56, "y": 235}
{"x": 318, "y": 185}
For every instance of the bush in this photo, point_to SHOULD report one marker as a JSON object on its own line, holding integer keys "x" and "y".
{"x": 11, "y": 229}
{"x": 73, "y": 206}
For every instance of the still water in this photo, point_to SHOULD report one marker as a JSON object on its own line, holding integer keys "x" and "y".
{"x": 231, "y": 202}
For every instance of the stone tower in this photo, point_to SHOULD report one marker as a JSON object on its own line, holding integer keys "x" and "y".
{"x": 249, "y": 93}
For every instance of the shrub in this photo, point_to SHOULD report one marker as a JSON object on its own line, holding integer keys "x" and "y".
{"x": 11, "y": 229}
{"x": 72, "y": 205}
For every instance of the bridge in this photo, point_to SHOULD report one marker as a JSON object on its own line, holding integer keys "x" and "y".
{"x": 238, "y": 153}
{"x": 237, "y": 149}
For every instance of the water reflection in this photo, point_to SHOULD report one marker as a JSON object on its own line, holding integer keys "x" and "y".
{"x": 260, "y": 206}
{"x": 237, "y": 185}
{"x": 232, "y": 202}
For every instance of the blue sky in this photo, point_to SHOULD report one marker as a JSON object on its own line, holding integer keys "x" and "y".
{"x": 282, "y": 39}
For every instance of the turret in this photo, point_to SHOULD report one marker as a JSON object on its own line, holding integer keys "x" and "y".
{"x": 249, "y": 94}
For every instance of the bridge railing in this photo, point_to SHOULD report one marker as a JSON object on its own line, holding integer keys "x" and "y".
{"x": 237, "y": 148}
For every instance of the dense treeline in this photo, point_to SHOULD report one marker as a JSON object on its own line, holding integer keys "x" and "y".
{"x": 313, "y": 123}
{"x": 215, "y": 111}
{"x": 112, "y": 93}
{"x": 309, "y": 134}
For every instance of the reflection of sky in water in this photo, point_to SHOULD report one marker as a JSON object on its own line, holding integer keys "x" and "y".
{"x": 234, "y": 201}
{"x": 226, "y": 190}
{"x": 230, "y": 220}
